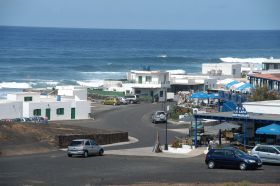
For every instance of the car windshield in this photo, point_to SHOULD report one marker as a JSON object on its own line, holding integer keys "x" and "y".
{"x": 240, "y": 153}
{"x": 76, "y": 143}
{"x": 277, "y": 147}
{"x": 160, "y": 113}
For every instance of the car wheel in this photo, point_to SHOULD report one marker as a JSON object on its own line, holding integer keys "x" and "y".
{"x": 101, "y": 152}
{"x": 85, "y": 154}
{"x": 211, "y": 164}
{"x": 69, "y": 155}
{"x": 242, "y": 166}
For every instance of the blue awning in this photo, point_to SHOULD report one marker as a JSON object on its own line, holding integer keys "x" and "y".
{"x": 273, "y": 129}
{"x": 214, "y": 96}
{"x": 199, "y": 95}
{"x": 245, "y": 86}
{"x": 231, "y": 83}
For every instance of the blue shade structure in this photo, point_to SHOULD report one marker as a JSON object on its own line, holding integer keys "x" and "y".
{"x": 273, "y": 129}
{"x": 199, "y": 95}
{"x": 231, "y": 84}
{"x": 245, "y": 86}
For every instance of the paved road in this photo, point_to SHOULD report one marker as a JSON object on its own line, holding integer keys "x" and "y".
{"x": 56, "y": 169}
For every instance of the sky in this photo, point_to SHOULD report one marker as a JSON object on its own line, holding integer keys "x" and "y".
{"x": 143, "y": 14}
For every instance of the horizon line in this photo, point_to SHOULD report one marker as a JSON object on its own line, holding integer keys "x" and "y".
{"x": 155, "y": 29}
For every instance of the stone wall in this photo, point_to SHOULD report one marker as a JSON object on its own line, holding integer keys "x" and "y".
{"x": 102, "y": 139}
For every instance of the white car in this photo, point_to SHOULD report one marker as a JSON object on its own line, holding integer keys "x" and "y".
{"x": 267, "y": 153}
{"x": 123, "y": 101}
{"x": 158, "y": 116}
{"x": 84, "y": 147}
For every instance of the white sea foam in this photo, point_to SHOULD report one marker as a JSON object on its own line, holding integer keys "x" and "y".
{"x": 100, "y": 72}
{"x": 50, "y": 83}
{"x": 14, "y": 85}
{"x": 92, "y": 83}
{"x": 162, "y": 55}
{"x": 178, "y": 71}
{"x": 245, "y": 60}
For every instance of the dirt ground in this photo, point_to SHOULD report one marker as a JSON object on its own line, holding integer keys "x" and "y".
{"x": 28, "y": 138}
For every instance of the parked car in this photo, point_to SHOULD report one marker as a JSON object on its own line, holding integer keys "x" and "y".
{"x": 267, "y": 153}
{"x": 123, "y": 101}
{"x": 158, "y": 116}
{"x": 111, "y": 101}
{"x": 132, "y": 98}
{"x": 84, "y": 147}
{"x": 231, "y": 157}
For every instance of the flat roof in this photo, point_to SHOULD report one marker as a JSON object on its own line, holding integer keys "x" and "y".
{"x": 275, "y": 76}
{"x": 252, "y": 116}
{"x": 264, "y": 103}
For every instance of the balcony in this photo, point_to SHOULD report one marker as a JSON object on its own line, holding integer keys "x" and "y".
{"x": 152, "y": 84}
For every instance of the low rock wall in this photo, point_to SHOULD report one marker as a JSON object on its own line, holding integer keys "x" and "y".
{"x": 102, "y": 139}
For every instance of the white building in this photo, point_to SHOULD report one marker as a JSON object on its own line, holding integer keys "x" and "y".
{"x": 70, "y": 103}
{"x": 222, "y": 69}
{"x": 263, "y": 107}
{"x": 148, "y": 83}
{"x": 186, "y": 82}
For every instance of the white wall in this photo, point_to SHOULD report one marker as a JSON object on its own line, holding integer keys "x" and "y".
{"x": 82, "y": 109}
{"x": 263, "y": 107}
{"x": 10, "y": 110}
{"x": 20, "y": 96}
{"x": 222, "y": 69}
{"x": 29, "y": 107}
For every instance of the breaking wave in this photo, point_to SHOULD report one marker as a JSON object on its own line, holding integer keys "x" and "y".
{"x": 14, "y": 85}
{"x": 96, "y": 83}
{"x": 178, "y": 71}
{"x": 244, "y": 60}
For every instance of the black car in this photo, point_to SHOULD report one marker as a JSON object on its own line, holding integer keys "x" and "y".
{"x": 231, "y": 157}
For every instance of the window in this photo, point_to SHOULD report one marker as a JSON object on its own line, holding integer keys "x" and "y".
{"x": 148, "y": 79}
{"x": 28, "y": 98}
{"x": 272, "y": 150}
{"x": 92, "y": 142}
{"x": 161, "y": 93}
{"x": 60, "y": 111}
{"x": 233, "y": 71}
{"x": 87, "y": 143}
{"x": 37, "y": 112}
{"x": 218, "y": 153}
{"x": 229, "y": 153}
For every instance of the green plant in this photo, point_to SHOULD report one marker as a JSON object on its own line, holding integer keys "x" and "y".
{"x": 148, "y": 99}
{"x": 263, "y": 93}
{"x": 176, "y": 144}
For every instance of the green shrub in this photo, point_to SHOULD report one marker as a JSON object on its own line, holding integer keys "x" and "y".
{"x": 176, "y": 144}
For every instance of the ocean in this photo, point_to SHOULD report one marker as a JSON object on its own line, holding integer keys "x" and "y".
{"x": 46, "y": 57}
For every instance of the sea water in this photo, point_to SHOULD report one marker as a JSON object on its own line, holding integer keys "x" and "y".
{"x": 41, "y": 57}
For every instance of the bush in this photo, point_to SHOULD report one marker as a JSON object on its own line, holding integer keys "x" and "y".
{"x": 176, "y": 111}
{"x": 148, "y": 99}
{"x": 176, "y": 144}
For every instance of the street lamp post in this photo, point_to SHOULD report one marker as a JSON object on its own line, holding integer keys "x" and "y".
{"x": 166, "y": 145}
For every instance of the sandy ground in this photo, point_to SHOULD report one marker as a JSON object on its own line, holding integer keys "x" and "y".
{"x": 28, "y": 138}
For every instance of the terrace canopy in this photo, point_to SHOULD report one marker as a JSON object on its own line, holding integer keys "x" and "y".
{"x": 273, "y": 129}
{"x": 245, "y": 86}
{"x": 223, "y": 126}
{"x": 231, "y": 84}
{"x": 199, "y": 95}
{"x": 202, "y": 95}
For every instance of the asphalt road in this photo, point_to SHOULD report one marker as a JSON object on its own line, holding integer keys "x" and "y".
{"x": 55, "y": 168}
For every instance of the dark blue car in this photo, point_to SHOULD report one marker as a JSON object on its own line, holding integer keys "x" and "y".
{"x": 231, "y": 157}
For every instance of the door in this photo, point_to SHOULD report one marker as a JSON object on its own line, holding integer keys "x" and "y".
{"x": 230, "y": 159}
{"x": 48, "y": 113}
{"x": 94, "y": 147}
{"x": 73, "y": 113}
{"x": 140, "y": 79}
